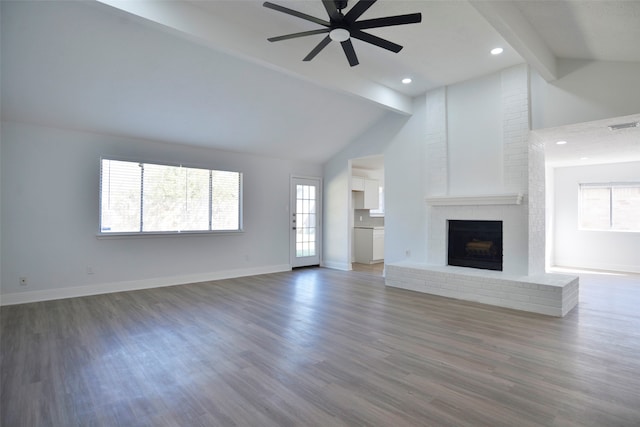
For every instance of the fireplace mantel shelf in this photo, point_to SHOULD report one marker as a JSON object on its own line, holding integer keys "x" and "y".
{"x": 493, "y": 199}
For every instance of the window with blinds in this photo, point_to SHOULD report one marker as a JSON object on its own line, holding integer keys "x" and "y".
{"x": 613, "y": 206}
{"x": 151, "y": 198}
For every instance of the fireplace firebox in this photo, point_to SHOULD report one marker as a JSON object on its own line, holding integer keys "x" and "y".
{"x": 476, "y": 244}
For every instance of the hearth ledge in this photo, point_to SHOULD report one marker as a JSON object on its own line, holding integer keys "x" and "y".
{"x": 490, "y": 199}
{"x": 548, "y": 294}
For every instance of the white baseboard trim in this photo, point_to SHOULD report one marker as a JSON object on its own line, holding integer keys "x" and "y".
{"x": 621, "y": 268}
{"x": 344, "y": 266}
{"x": 134, "y": 285}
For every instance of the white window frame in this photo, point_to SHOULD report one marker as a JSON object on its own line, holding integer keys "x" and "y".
{"x": 380, "y": 211}
{"x": 108, "y": 234}
{"x": 610, "y": 186}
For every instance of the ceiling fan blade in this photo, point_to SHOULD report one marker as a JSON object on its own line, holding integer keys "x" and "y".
{"x": 369, "y": 38}
{"x": 332, "y": 10}
{"x": 356, "y": 11}
{"x": 296, "y": 13}
{"x": 296, "y": 35}
{"x": 347, "y": 46}
{"x": 316, "y": 50}
{"x": 388, "y": 21}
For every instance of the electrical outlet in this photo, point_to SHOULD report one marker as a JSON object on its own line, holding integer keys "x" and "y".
{"x": 23, "y": 281}
{"x": 407, "y": 253}
{"x": 90, "y": 270}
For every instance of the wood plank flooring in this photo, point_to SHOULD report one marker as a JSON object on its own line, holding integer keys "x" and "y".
{"x": 318, "y": 347}
{"x": 376, "y": 269}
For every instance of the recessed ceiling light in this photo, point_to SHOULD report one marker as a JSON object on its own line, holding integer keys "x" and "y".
{"x": 406, "y": 80}
{"x": 561, "y": 142}
{"x": 584, "y": 158}
{"x": 497, "y": 51}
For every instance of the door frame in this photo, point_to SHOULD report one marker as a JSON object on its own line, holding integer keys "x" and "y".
{"x": 319, "y": 217}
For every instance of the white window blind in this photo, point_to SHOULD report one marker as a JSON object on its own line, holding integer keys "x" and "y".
{"x": 151, "y": 198}
{"x": 610, "y": 206}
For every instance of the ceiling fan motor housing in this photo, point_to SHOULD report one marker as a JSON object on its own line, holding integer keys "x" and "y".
{"x": 341, "y": 4}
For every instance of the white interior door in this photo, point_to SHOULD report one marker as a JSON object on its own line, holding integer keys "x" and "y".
{"x": 305, "y": 221}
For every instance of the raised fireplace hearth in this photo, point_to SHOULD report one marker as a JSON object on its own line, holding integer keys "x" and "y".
{"x": 550, "y": 294}
{"x": 476, "y": 244}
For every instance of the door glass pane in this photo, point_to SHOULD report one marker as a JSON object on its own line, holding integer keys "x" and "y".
{"x": 305, "y": 221}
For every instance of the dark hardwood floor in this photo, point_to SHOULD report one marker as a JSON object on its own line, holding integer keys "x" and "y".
{"x": 320, "y": 347}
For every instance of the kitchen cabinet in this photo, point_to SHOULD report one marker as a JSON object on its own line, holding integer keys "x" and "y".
{"x": 378, "y": 245}
{"x": 369, "y": 245}
{"x": 357, "y": 183}
{"x": 367, "y": 199}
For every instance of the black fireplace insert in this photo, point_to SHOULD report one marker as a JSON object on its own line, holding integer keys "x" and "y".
{"x": 476, "y": 244}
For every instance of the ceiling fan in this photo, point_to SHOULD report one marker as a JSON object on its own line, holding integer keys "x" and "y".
{"x": 342, "y": 27}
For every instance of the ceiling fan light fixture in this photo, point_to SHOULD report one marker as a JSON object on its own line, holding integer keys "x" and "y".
{"x": 339, "y": 34}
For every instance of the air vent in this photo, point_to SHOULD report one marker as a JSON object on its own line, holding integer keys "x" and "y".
{"x": 624, "y": 126}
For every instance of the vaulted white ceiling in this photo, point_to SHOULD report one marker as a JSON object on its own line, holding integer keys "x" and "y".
{"x": 203, "y": 73}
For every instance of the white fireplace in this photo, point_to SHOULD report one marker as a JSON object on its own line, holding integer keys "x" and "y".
{"x": 514, "y": 287}
{"x": 483, "y": 143}
{"x": 507, "y": 208}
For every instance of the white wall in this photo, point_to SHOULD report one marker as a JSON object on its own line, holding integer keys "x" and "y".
{"x": 405, "y": 208}
{"x": 474, "y": 128}
{"x": 619, "y": 251}
{"x": 416, "y": 158}
{"x": 537, "y": 205}
{"x": 549, "y": 215}
{"x": 401, "y": 140}
{"x": 50, "y": 203}
{"x": 585, "y": 91}
{"x": 337, "y": 194}
{"x": 377, "y": 174}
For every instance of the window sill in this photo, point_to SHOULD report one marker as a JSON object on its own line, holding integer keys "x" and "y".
{"x": 608, "y": 230}
{"x": 164, "y": 234}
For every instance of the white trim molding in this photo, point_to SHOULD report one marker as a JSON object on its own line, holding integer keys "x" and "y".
{"x": 134, "y": 285}
{"x": 492, "y": 199}
{"x": 336, "y": 265}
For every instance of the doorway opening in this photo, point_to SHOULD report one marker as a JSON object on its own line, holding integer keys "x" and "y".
{"x": 366, "y": 215}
